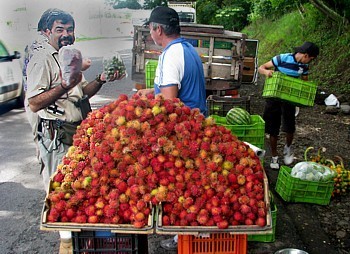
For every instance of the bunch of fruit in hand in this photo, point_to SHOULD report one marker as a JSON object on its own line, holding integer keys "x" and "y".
{"x": 114, "y": 68}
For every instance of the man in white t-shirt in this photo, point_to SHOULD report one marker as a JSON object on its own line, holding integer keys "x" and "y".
{"x": 179, "y": 73}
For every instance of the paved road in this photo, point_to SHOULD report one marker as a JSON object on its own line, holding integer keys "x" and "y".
{"x": 21, "y": 188}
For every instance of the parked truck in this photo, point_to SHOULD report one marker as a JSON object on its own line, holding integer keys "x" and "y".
{"x": 229, "y": 58}
{"x": 186, "y": 10}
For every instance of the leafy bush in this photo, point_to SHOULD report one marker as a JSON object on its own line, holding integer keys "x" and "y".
{"x": 330, "y": 70}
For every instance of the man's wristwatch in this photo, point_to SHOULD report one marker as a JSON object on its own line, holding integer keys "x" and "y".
{"x": 98, "y": 79}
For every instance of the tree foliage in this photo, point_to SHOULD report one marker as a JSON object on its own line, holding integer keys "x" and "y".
{"x": 232, "y": 14}
{"x": 236, "y": 14}
{"x": 338, "y": 11}
{"x": 130, "y": 4}
{"x": 335, "y": 10}
{"x": 151, "y": 4}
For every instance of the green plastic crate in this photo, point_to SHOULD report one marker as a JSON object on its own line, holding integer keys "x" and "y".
{"x": 267, "y": 238}
{"x": 294, "y": 90}
{"x": 219, "y": 106}
{"x": 150, "y": 73}
{"x": 217, "y": 44}
{"x": 253, "y": 133}
{"x": 293, "y": 189}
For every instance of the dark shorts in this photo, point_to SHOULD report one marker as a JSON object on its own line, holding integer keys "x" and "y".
{"x": 277, "y": 112}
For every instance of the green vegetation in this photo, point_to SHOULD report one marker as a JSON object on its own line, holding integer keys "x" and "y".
{"x": 84, "y": 38}
{"x": 331, "y": 70}
{"x": 131, "y": 4}
{"x": 281, "y": 25}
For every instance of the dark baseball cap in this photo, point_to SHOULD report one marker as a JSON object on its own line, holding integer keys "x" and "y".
{"x": 308, "y": 47}
{"x": 165, "y": 16}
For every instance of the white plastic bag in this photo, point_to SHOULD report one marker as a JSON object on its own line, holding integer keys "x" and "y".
{"x": 331, "y": 100}
{"x": 312, "y": 171}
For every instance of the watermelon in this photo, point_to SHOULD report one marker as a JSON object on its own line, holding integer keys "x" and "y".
{"x": 238, "y": 116}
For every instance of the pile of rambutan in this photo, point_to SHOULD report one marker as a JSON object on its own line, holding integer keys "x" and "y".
{"x": 146, "y": 150}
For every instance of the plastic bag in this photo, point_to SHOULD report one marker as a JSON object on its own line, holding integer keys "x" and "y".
{"x": 114, "y": 65}
{"x": 312, "y": 171}
{"x": 331, "y": 100}
{"x": 70, "y": 60}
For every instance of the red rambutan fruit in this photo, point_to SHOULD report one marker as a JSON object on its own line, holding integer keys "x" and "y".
{"x": 222, "y": 224}
{"x": 238, "y": 216}
{"x": 245, "y": 209}
{"x": 260, "y": 222}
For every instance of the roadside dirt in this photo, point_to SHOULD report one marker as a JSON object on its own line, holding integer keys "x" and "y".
{"x": 313, "y": 228}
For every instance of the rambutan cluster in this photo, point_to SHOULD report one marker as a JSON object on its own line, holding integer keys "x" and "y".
{"x": 139, "y": 151}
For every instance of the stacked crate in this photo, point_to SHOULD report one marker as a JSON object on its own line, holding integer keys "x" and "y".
{"x": 253, "y": 133}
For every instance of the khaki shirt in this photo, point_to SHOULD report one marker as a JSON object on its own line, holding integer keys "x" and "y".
{"x": 43, "y": 73}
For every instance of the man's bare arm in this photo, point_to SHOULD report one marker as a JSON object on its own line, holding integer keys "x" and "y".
{"x": 170, "y": 92}
{"x": 266, "y": 69}
{"x": 48, "y": 97}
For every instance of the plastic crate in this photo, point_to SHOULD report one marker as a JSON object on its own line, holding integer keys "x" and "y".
{"x": 220, "y": 243}
{"x": 294, "y": 90}
{"x": 293, "y": 189}
{"x": 267, "y": 238}
{"x": 104, "y": 242}
{"x": 150, "y": 72}
{"x": 221, "y": 105}
{"x": 217, "y": 44}
{"x": 253, "y": 133}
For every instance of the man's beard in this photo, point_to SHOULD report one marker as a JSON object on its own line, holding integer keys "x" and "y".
{"x": 69, "y": 41}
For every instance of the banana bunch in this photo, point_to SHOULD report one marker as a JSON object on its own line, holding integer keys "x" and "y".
{"x": 342, "y": 178}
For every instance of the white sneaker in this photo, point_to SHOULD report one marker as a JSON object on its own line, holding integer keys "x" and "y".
{"x": 274, "y": 164}
{"x": 288, "y": 155}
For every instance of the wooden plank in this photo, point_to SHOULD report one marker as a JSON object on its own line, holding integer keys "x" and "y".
{"x": 222, "y": 71}
{"x": 202, "y": 35}
{"x": 151, "y": 55}
{"x": 221, "y": 53}
{"x": 202, "y": 30}
{"x": 221, "y": 85}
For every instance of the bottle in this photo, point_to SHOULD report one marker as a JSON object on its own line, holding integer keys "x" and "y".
{"x": 66, "y": 246}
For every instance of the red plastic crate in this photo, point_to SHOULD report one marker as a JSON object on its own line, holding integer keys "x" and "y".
{"x": 218, "y": 243}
